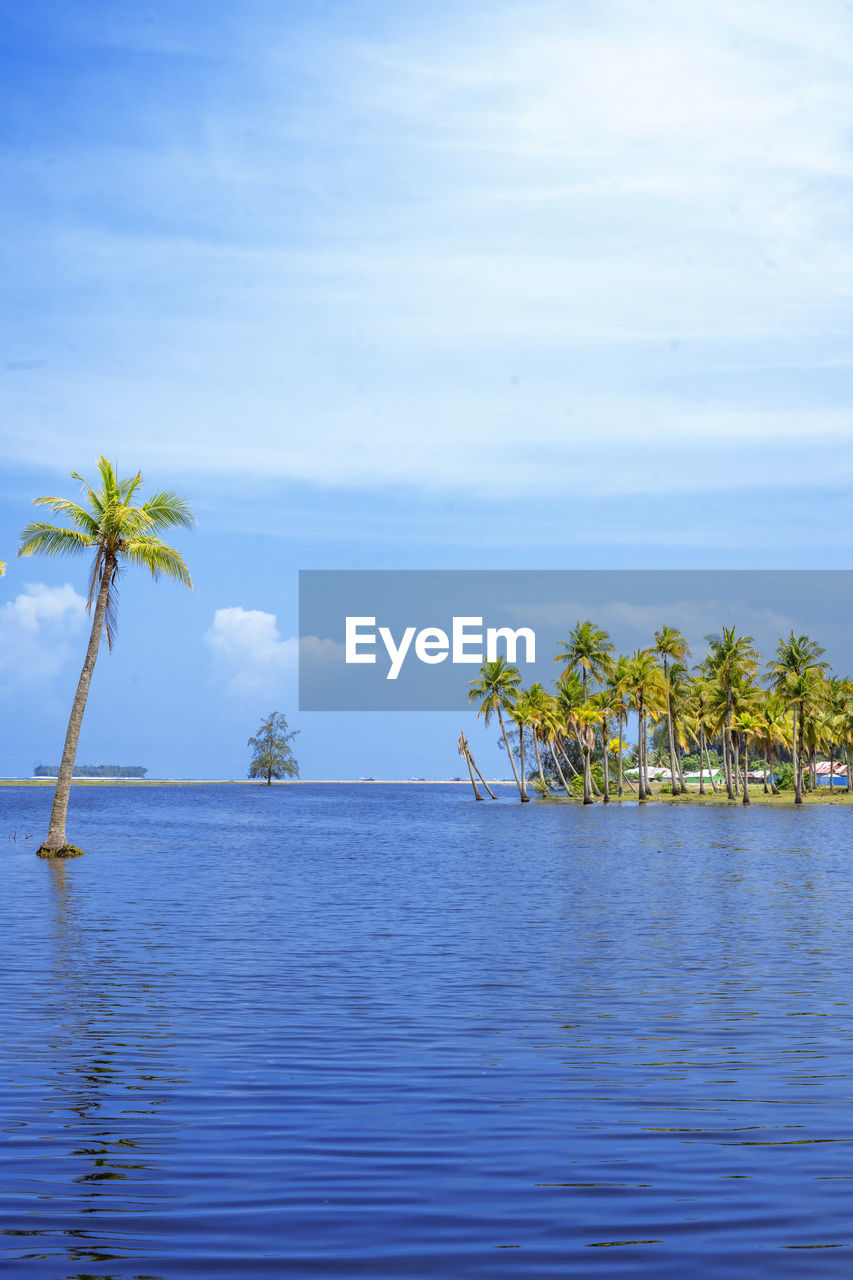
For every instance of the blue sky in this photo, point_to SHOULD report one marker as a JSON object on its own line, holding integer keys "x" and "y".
{"x": 404, "y": 286}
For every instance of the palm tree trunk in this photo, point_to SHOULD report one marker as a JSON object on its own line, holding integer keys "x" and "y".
{"x": 606, "y": 762}
{"x": 56, "y": 844}
{"x": 523, "y": 788}
{"x": 710, "y": 770}
{"x": 798, "y": 779}
{"x": 565, "y": 756}
{"x": 746, "y": 798}
{"x": 849, "y": 771}
{"x": 701, "y": 762}
{"x": 539, "y": 762}
{"x": 477, "y": 795}
{"x": 681, "y": 782}
{"x": 620, "y": 747}
{"x": 727, "y": 741}
{"x": 798, "y": 791}
{"x": 640, "y": 760}
{"x": 555, "y": 757}
{"x": 509, "y": 753}
{"x": 480, "y": 776}
{"x": 670, "y": 737}
{"x": 831, "y": 768}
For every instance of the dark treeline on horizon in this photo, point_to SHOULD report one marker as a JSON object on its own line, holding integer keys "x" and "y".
{"x": 93, "y": 771}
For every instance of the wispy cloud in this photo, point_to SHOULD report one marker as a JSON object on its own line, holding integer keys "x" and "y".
{"x": 541, "y": 244}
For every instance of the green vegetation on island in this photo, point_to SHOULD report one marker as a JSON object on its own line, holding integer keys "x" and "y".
{"x": 730, "y": 721}
{"x": 119, "y": 534}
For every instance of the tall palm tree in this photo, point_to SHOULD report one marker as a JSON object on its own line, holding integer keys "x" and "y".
{"x": 671, "y": 646}
{"x": 119, "y": 533}
{"x": 701, "y": 706}
{"x": 730, "y": 656}
{"x": 540, "y": 717}
{"x": 588, "y": 650}
{"x": 789, "y": 672}
{"x": 644, "y": 684}
{"x": 587, "y": 717}
{"x": 497, "y": 690}
{"x": 776, "y": 731}
{"x": 617, "y": 685}
{"x": 748, "y": 725}
{"x": 522, "y": 712}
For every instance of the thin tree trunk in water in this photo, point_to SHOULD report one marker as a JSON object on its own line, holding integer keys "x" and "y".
{"x": 701, "y": 762}
{"x": 524, "y": 796}
{"x": 640, "y": 761}
{"x": 746, "y": 798}
{"x": 620, "y": 747}
{"x": 798, "y": 797}
{"x": 606, "y": 762}
{"x": 737, "y": 765}
{"x": 831, "y": 768}
{"x": 670, "y": 735}
{"x": 539, "y": 763}
{"x": 710, "y": 770}
{"x": 814, "y": 769}
{"x": 480, "y": 776}
{"x": 509, "y": 753}
{"x": 727, "y": 741}
{"x": 565, "y": 756}
{"x": 798, "y": 777}
{"x": 464, "y": 745}
{"x": 56, "y": 840}
{"x": 560, "y": 774}
{"x": 849, "y": 779}
{"x": 773, "y": 787}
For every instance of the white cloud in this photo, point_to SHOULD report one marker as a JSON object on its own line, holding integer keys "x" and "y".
{"x": 249, "y": 650}
{"x": 35, "y": 629}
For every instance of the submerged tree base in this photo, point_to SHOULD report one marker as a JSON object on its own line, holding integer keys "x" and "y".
{"x": 64, "y": 851}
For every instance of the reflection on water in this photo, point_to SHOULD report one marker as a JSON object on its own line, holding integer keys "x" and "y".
{"x": 424, "y": 1037}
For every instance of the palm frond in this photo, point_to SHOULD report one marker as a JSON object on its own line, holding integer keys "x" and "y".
{"x": 52, "y": 540}
{"x": 167, "y": 510}
{"x": 62, "y": 507}
{"x": 152, "y": 554}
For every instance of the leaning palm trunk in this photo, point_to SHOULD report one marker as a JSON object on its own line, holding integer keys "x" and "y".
{"x": 56, "y": 845}
{"x": 480, "y": 776}
{"x": 746, "y": 799}
{"x": 509, "y": 753}
{"x": 701, "y": 762}
{"x": 555, "y": 757}
{"x": 572, "y": 770}
{"x": 462, "y": 748}
{"x": 710, "y": 770}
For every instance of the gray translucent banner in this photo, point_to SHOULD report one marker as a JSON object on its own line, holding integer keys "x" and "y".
{"x": 412, "y": 640}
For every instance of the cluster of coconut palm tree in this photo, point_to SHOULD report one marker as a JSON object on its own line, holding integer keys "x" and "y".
{"x": 790, "y": 706}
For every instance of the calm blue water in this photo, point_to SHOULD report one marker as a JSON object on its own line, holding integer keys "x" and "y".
{"x": 387, "y": 1032}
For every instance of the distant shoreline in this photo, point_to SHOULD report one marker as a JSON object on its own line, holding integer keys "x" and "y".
{"x": 252, "y": 782}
